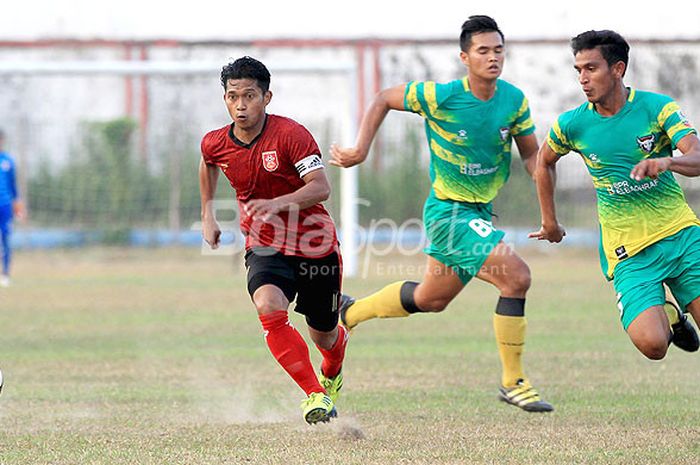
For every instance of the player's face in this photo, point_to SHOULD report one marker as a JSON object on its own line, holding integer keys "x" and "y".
{"x": 246, "y": 102}
{"x": 485, "y": 56}
{"x": 596, "y": 77}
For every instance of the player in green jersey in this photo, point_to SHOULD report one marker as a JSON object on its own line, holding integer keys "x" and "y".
{"x": 649, "y": 234}
{"x": 470, "y": 124}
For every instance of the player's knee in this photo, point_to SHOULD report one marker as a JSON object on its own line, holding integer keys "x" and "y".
{"x": 655, "y": 353}
{"x": 325, "y": 340}
{"x": 432, "y": 305}
{"x": 518, "y": 281}
{"x": 653, "y": 350}
{"x": 269, "y": 304}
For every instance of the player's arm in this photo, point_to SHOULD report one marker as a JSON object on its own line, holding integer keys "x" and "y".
{"x": 18, "y": 209}
{"x": 545, "y": 180}
{"x": 687, "y": 164}
{"x": 316, "y": 189}
{"x": 388, "y": 99}
{"x": 527, "y": 148}
{"x": 208, "y": 176}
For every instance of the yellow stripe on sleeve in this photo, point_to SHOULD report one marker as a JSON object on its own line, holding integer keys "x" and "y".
{"x": 676, "y": 128}
{"x": 560, "y": 135}
{"x": 668, "y": 109}
{"x": 523, "y": 108}
{"x": 558, "y": 149}
{"x": 412, "y": 98}
{"x": 518, "y": 128}
{"x": 430, "y": 97}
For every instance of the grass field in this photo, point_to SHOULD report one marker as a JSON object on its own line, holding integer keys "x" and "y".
{"x": 156, "y": 357}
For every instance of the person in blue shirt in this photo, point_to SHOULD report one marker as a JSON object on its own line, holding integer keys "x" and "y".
{"x": 10, "y": 206}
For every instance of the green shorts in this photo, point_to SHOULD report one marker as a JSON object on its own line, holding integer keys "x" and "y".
{"x": 674, "y": 261}
{"x": 460, "y": 234}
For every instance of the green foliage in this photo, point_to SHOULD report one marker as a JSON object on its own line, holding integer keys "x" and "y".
{"x": 397, "y": 190}
{"x": 107, "y": 186}
{"x": 517, "y": 204}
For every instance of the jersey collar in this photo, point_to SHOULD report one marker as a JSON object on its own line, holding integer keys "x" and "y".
{"x": 630, "y": 98}
{"x": 239, "y": 142}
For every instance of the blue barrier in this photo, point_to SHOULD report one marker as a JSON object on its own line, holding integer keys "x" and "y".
{"x": 66, "y": 238}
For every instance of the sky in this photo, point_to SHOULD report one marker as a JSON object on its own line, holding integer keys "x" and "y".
{"x": 242, "y": 20}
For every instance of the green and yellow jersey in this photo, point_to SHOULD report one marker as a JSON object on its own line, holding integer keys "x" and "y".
{"x": 469, "y": 139}
{"x": 632, "y": 214}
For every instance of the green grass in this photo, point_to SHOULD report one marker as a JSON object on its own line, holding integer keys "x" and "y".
{"x": 118, "y": 356}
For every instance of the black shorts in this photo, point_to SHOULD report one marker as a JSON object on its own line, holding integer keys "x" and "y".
{"x": 314, "y": 282}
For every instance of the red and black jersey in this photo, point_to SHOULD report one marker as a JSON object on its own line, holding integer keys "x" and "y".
{"x": 270, "y": 166}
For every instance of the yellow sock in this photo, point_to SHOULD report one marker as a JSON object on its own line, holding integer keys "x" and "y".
{"x": 671, "y": 313}
{"x": 385, "y": 303}
{"x": 510, "y": 337}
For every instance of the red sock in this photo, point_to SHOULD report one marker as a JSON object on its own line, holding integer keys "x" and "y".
{"x": 333, "y": 358}
{"x": 290, "y": 350}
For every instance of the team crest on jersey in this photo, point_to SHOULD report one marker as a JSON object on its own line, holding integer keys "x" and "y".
{"x": 270, "y": 161}
{"x": 646, "y": 143}
{"x": 504, "y": 131}
{"x": 5, "y": 165}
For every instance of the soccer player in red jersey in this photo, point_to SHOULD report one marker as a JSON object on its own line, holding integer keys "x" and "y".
{"x": 275, "y": 167}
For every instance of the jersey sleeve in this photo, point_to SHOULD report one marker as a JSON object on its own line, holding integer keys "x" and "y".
{"x": 523, "y": 125}
{"x": 205, "y": 147}
{"x": 425, "y": 98}
{"x": 557, "y": 139}
{"x": 303, "y": 151}
{"x": 674, "y": 122}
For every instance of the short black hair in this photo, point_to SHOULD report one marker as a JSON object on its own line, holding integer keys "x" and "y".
{"x": 612, "y": 45}
{"x": 476, "y": 24}
{"x": 246, "y": 68}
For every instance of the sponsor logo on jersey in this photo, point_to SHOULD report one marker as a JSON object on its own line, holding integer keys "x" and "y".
{"x": 462, "y": 133}
{"x": 591, "y": 160}
{"x": 684, "y": 119}
{"x": 475, "y": 169}
{"x": 621, "y": 252}
{"x": 308, "y": 164}
{"x": 646, "y": 143}
{"x": 270, "y": 161}
{"x": 625, "y": 188}
{"x": 504, "y": 131}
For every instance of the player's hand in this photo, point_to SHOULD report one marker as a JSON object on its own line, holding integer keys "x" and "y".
{"x": 19, "y": 211}
{"x": 211, "y": 233}
{"x": 345, "y": 157}
{"x": 552, "y": 233}
{"x": 651, "y": 167}
{"x": 262, "y": 209}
